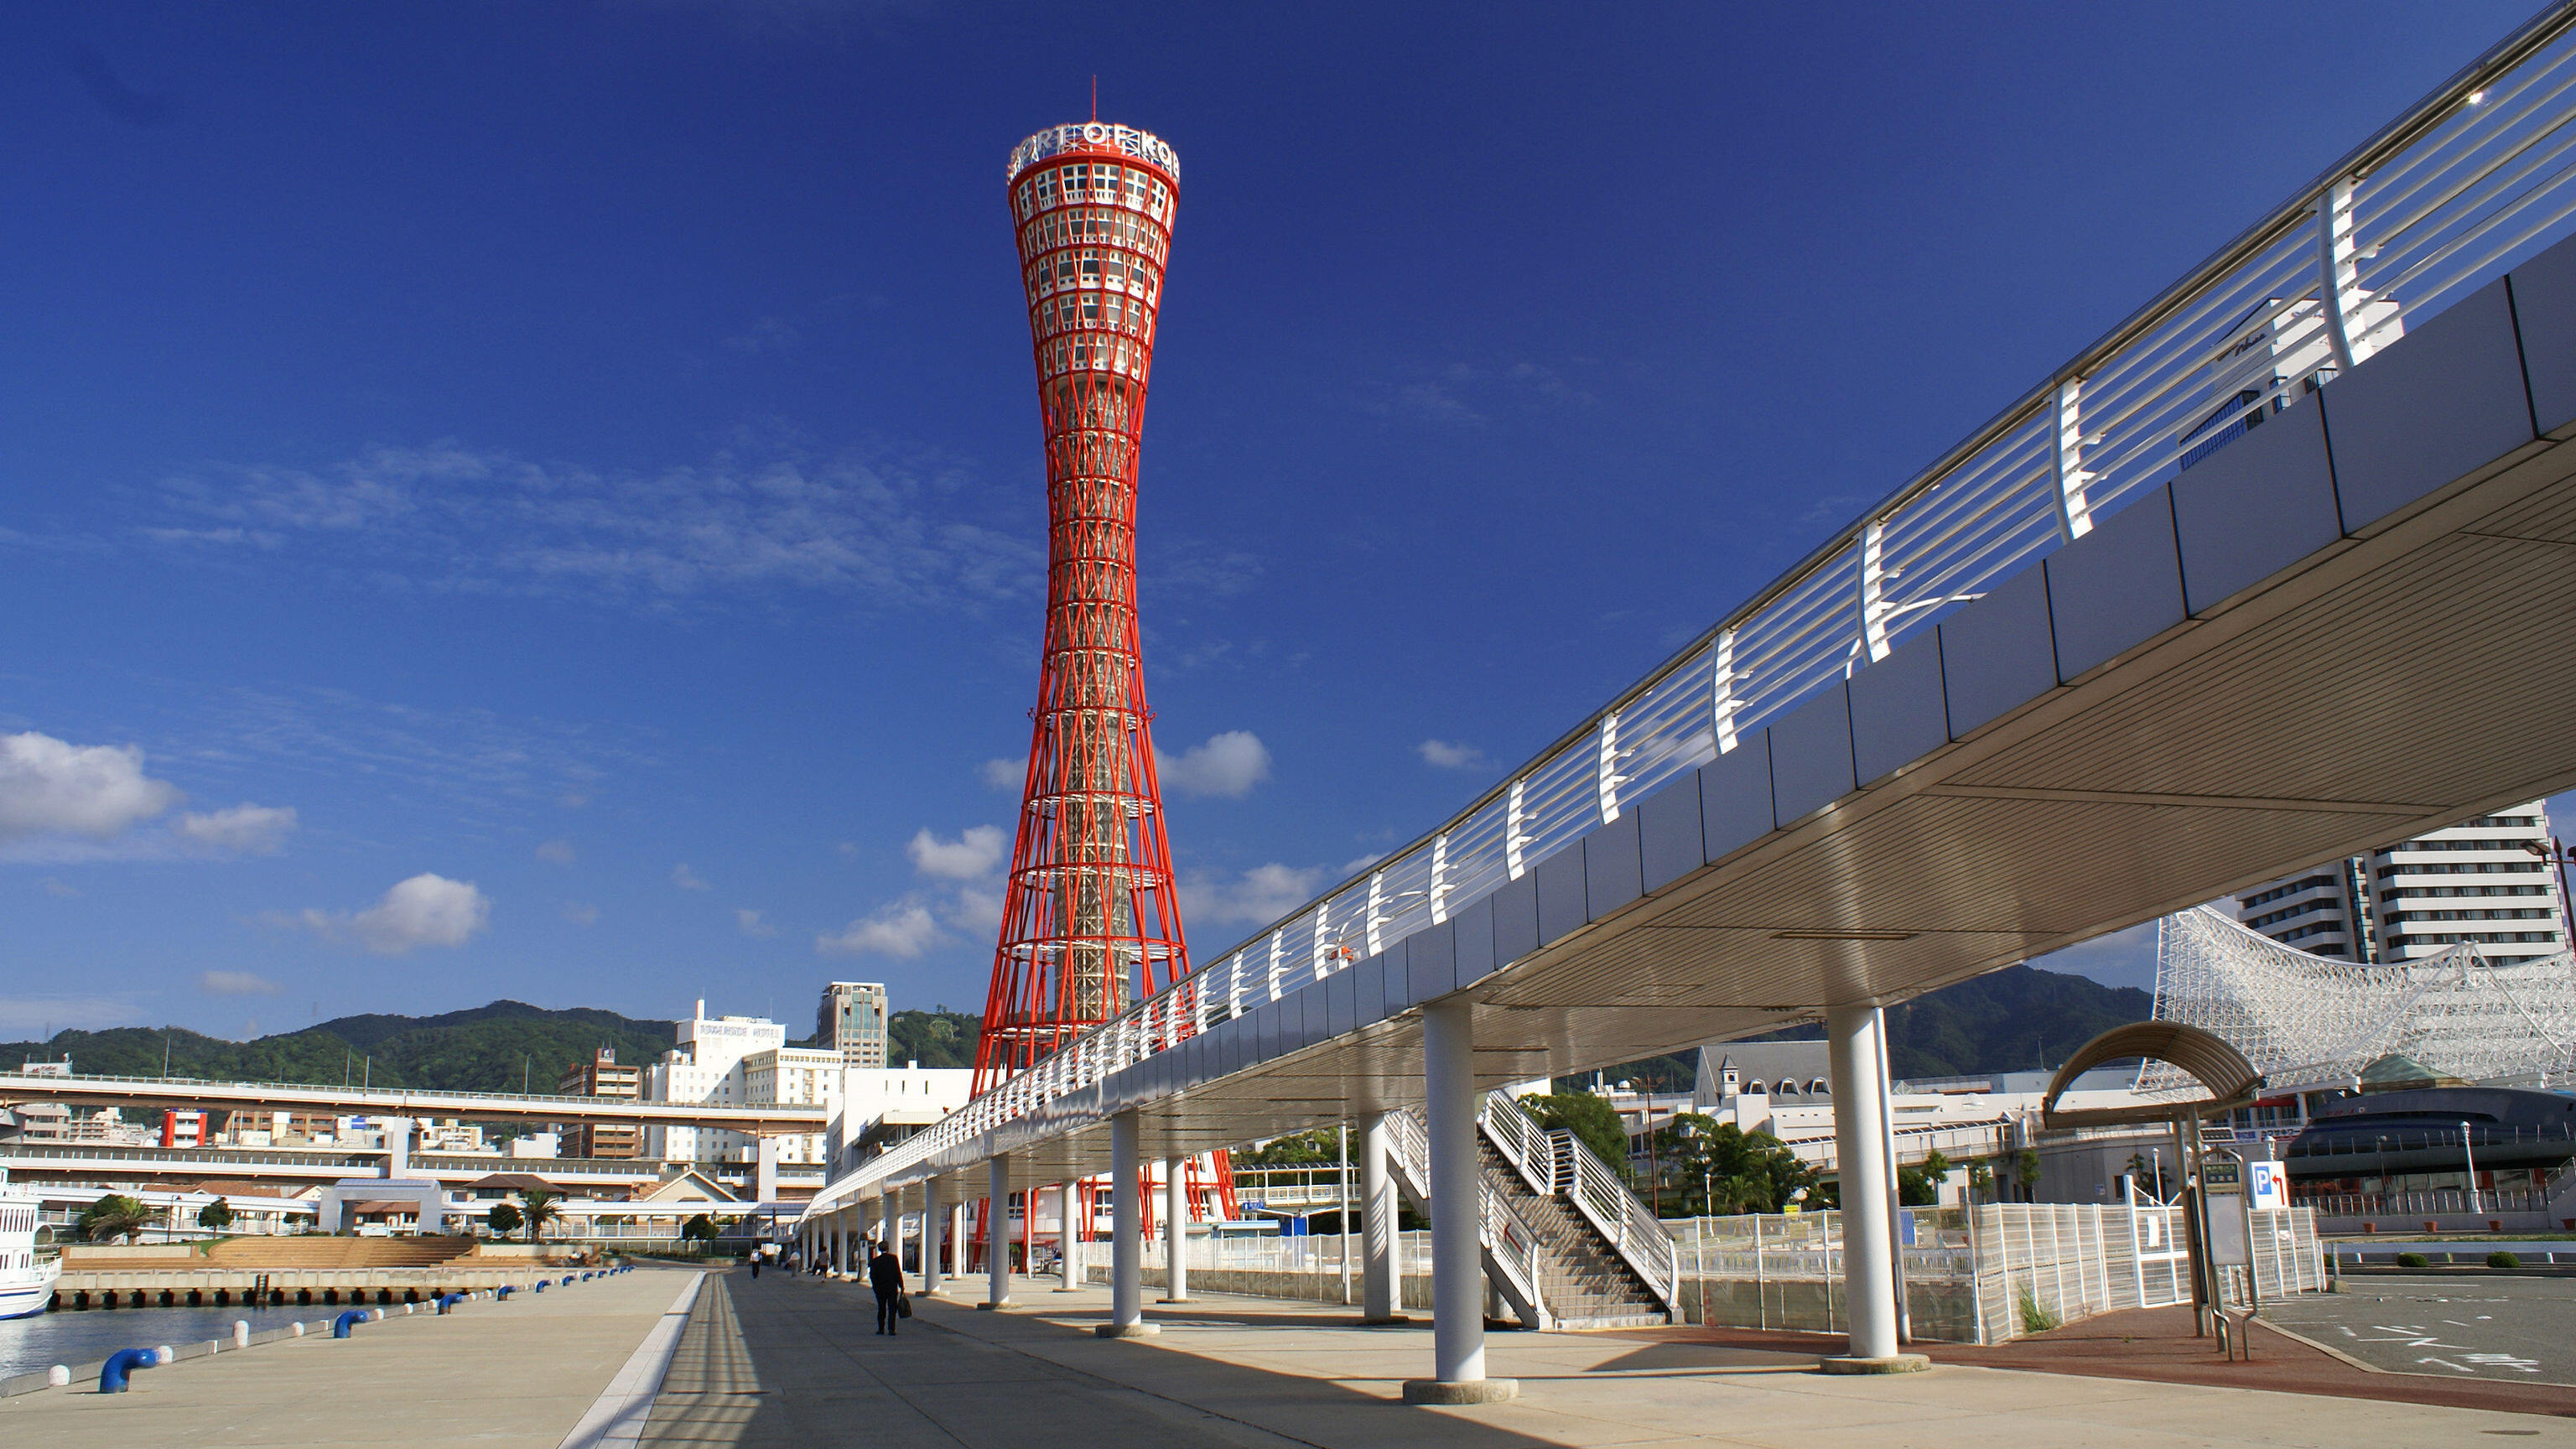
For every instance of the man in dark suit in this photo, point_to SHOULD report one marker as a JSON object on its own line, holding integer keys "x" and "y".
{"x": 885, "y": 1275}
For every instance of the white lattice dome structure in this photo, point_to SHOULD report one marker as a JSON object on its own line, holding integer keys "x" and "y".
{"x": 2317, "y": 1021}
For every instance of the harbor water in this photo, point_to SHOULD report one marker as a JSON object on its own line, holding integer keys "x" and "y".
{"x": 31, "y": 1345}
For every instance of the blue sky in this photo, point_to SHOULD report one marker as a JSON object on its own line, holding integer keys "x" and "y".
{"x": 581, "y": 460}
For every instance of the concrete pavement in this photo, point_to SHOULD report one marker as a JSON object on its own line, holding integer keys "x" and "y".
{"x": 795, "y": 1362}
{"x": 514, "y": 1374}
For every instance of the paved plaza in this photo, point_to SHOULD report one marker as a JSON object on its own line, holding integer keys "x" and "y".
{"x": 785, "y": 1359}
{"x": 2508, "y": 1330}
{"x": 794, "y": 1361}
{"x": 512, "y": 1374}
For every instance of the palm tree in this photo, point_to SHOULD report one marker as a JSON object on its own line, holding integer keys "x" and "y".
{"x": 538, "y": 1207}
{"x": 114, "y": 1216}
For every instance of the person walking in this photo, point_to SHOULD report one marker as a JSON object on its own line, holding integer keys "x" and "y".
{"x": 885, "y": 1275}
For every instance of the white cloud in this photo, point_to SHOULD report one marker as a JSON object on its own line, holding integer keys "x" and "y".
{"x": 902, "y": 928}
{"x": 558, "y": 852}
{"x": 1448, "y": 755}
{"x": 919, "y": 531}
{"x": 235, "y": 983}
{"x": 581, "y": 913}
{"x": 241, "y": 830}
{"x": 60, "y": 890}
{"x": 426, "y": 910}
{"x": 1229, "y": 764}
{"x": 977, "y": 910}
{"x": 1005, "y": 774}
{"x": 750, "y": 924}
{"x": 975, "y": 853}
{"x": 687, "y": 879}
{"x": 849, "y": 850}
{"x": 48, "y": 787}
{"x": 1256, "y": 897}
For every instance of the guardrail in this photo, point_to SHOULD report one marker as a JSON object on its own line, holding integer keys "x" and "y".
{"x": 2444, "y": 199}
{"x": 35, "y": 1084}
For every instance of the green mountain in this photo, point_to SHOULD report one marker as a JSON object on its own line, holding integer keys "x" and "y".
{"x": 2017, "y": 1019}
{"x": 2007, "y": 1020}
{"x": 495, "y": 1048}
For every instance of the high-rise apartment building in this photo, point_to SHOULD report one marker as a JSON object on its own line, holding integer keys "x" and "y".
{"x": 852, "y": 1021}
{"x": 2481, "y": 882}
{"x": 601, "y": 1076}
{"x": 740, "y": 1061}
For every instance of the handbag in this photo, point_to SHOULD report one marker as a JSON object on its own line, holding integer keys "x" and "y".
{"x": 903, "y": 1305}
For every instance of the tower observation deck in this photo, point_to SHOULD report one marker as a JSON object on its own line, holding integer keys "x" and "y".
{"x": 1090, "y": 920}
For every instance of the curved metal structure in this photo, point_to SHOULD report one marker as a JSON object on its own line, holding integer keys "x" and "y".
{"x": 2320, "y": 1021}
{"x": 1091, "y": 922}
{"x": 2221, "y": 1070}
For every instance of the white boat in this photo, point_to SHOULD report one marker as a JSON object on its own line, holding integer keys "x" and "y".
{"x": 27, "y": 1268}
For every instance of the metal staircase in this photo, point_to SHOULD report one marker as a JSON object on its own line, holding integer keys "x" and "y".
{"x": 1563, "y": 1240}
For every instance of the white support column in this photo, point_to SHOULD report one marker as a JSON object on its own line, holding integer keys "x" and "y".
{"x": 957, "y": 1242}
{"x": 997, "y": 1234}
{"x": 1377, "y": 1227}
{"x": 932, "y": 1220}
{"x": 840, "y": 1242}
{"x": 1068, "y": 1237}
{"x": 1176, "y": 1229}
{"x": 1457, "y": 1213}
{"x": 1126, "y": 1234}
{"x": 1860, "y": 1157}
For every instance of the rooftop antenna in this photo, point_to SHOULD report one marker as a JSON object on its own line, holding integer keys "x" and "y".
{"x": 1095, "y": 98}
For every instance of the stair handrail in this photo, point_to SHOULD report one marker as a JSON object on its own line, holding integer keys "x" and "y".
{"x": 1623, "y": 1218}
{"x": 1521, "y": 1141}
{"x": 1513, "y": 1247}
{"x": 1510, "y": 1244}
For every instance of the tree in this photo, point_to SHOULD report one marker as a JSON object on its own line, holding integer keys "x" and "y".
{"x": 504, "y": 1218}
{"x": 538, "y": 1207}
{"x": 2026, "y": 1171}
{"x": 1592, "y": 1120}
{"x": 217, "y": 1215}
{"x": 114, "y": 1216}
{"x": 703, "y": 1229}
{"x": 1721, "y": 1168}
{"x": 1981, "y": 1178}
{"x": 1921, "y": 1186}
{"x": 1298, "y": 1149}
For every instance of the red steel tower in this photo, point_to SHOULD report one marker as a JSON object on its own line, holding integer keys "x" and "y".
{"x": 1090, "y": 922}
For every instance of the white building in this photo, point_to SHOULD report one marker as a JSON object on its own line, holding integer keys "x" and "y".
{"x": 852, "y": 1021}
{"x": 2474, "y": 883}
{"x": 885, "y": 1106}
{"x": 707, "y": 1067}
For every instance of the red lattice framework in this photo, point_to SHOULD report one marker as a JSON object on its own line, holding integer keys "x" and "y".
{"x": 1091, "y": 922}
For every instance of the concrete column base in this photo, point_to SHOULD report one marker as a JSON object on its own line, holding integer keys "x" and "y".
{"x": 1388, "y": 1321}
{"x": 1067, "y": 1288}
{"x": 1175, "y": 1300}
{"x": 1895, "y": 1363}
{"x": 1005, "y": 1303}
{"x": 1474, "y": 1391}
{"x": 1126, "y": 1330}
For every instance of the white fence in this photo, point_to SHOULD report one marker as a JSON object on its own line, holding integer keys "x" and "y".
{"x": 1980, "y": 1275}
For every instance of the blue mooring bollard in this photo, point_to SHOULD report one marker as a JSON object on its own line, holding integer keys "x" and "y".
{"x": 448, "y": 1303}
{"x": 541, "y": 1285}
{"x": 503, "y": 1292}
{"x": 111, "y": 1375}
{"x": 341, "y": 1326}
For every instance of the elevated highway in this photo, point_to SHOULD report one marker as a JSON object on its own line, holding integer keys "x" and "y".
{"x": 161, "y": 1093}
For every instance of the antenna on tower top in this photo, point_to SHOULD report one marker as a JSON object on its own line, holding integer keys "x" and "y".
{"x": 1095, "y": 98}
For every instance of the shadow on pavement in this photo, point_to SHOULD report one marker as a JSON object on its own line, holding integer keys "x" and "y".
{"x": 785, "y": 1361}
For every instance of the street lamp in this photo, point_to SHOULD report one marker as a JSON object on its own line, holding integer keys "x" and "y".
{"x": 2472, "y": 1155}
